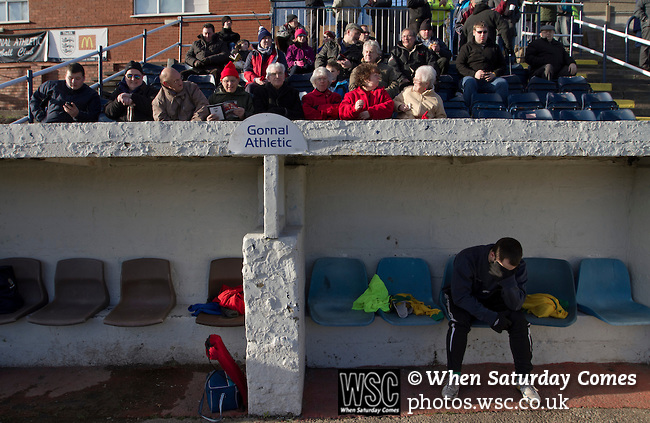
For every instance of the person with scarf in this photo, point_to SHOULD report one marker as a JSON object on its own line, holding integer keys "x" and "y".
{"x": 259, "y": 59}
{"x": 131, "y": 100}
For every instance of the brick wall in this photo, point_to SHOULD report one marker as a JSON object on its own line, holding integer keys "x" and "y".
{"x": 117, "y": 17}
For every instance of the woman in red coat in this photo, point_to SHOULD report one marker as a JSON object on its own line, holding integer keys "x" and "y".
{"x": 368, "y": 101}
{"x": 321, "y": 104}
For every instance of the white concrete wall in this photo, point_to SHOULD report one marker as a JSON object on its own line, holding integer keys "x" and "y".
{"x": 188, "y": 211}
{"x": 434, "y": 207}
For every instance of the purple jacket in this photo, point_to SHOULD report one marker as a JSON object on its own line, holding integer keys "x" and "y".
{"x": 295, "y": 53}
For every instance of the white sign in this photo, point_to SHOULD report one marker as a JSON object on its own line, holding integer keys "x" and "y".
{"x": 71, "y": 43}
{"x": 267, "y": 133}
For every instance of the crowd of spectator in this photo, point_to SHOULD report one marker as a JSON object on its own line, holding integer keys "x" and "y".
{"x": 353, "y": 77}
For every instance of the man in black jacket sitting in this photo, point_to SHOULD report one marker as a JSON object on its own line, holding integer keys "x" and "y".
{"x": 547, "y": 57}
{"x": 409, "y": 55}
{"x": 276, "y": 96}
{"x": 481, "y": 63}
{"x": 66, "y": 101}
{"x": 208, "y": 54}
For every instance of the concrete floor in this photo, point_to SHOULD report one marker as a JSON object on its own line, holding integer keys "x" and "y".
{"x": 172, "y": 393}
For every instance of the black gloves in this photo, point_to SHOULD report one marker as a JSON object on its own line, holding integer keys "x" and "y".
{"x": 502, "y": 322}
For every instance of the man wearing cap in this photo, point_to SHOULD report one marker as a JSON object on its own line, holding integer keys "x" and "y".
{"x": 345, "y": 11}
{"x": 131, "y": 100}
{"x": 208, "y": 54}
{"x": 547, "y": 57}
{"x": 408, "y": 55}
{"x": 300, "y": 56}
{"x": 440, "y": 51}
{"x": 260, "y": 58}
{"x": 347, "y": 52}
{"x": 481, "y": 64}
{"x": 227, "y": 34}
{"x": 234, "y": 101}
{"x": 178, "y": 100}
{"x": 493, "y": 20}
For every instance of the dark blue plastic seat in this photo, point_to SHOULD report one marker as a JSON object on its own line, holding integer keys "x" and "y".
{"x": 404, "y": 275}
{"x": 457, "y": 113}
{"x": 556, "y": 102}
{"x": 206, "y": 83}
{"x": 486, "y": 101}
{"x": 574, "y": 84}
{"x": 598, "y": 101}
{"x": 541, "y": 86}
{"x": 494, "y": 114}
{"x": 537, "y": 114}
{"x": 620, "y": 114}
{"x": 515, "y": 86}
{"x": 587, "y": 115}
{"x": 604, "y": 291}
{"x": 335, "y": 283}
{"x": 524, "y": 101}
{"x": 555, "y": 277}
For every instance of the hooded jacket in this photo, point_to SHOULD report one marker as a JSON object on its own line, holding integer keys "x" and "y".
{"x": 494, "y": 21}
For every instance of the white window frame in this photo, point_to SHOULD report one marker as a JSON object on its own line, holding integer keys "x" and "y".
{"x": 206, "y": 12}
{"x": 5, "y": 4}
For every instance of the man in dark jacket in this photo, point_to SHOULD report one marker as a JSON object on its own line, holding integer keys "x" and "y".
{"x": 230, "y": 100}
{"x": 229, "y": 36}
{"x": 66, "y": 101}
{"x": 420, "y": 10}
{"x": 347, "y": 52}
{"x": 547, "y": 57}
{"x": 208, "y": 54}
{"x": 131, "y": 100}
{"x": 438, "y": 48}
{"x": 481, "y": 63}
{"x": 409, "y": 55}
{"x": 489, "y": 284}
{"x": 641, "y": 12}
{"x": 276, "y": 96}
{"x": 494, "y": 21}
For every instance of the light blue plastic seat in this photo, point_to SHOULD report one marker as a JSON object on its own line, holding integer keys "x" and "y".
{"x": 335, "y": 283}
{"x": 604, "y": 291}
{"x": 555, "y": 277}
{"x": 442, "y": 298}
{"x": 405, "y": 275}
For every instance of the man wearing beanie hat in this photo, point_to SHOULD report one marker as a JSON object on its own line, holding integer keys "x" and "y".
{"x": 440, "y": 51}
{"x": 208, "y": 54}
{"x": 547, "y": 57}
{"x": 260, "y": 58}
{"x": 287, "y": 32}
{"x": 419, "y": 11}
{"x": 300, "y": 56}
{"x": 131, "y": 93}
{"x": 227, "y": 34}
{"x": 229, "y": 100}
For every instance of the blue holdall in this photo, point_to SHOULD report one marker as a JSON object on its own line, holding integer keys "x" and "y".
{"x": 222, "y": 394}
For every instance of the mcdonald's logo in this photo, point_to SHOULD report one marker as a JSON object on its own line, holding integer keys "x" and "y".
{"x": 87, "y": 42}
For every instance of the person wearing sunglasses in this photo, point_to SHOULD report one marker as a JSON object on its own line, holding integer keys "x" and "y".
{"x": 481, "y": 64}
{"x": 488, "y": 284}
{"x": 131, "y": 100}
{"x": 493, "y": 21}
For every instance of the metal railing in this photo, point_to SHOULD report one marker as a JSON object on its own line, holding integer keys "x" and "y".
{"x": 30, "y": 75}
{"x": 530, "y": 23}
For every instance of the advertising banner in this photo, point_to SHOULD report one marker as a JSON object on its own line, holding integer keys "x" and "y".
{"x": 30, "y": 47}
{"x": 66, "y": 44}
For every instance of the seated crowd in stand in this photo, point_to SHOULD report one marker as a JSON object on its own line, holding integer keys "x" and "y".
{"x": 352, "y": 77}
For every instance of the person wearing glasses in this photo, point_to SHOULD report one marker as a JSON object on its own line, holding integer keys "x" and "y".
{"x": 492, "y": 20}
{"x": 409, "y": 55}
{"x": 131, "y": 100}
{"x": 276, "y": 96}
{"x": 178, "y": 100}
{"x": 481, "y": 64}
{"x": 489, "y": 284}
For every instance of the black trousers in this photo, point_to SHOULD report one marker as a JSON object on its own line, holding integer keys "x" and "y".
{"x": 521, "y": 344}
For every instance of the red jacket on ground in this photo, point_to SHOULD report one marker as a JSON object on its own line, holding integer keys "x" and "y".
{"x": 377, "y": 102}
{"x": 321, "y": 106}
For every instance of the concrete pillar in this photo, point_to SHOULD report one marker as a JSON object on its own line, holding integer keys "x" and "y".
{"x": 274, "y": 294}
